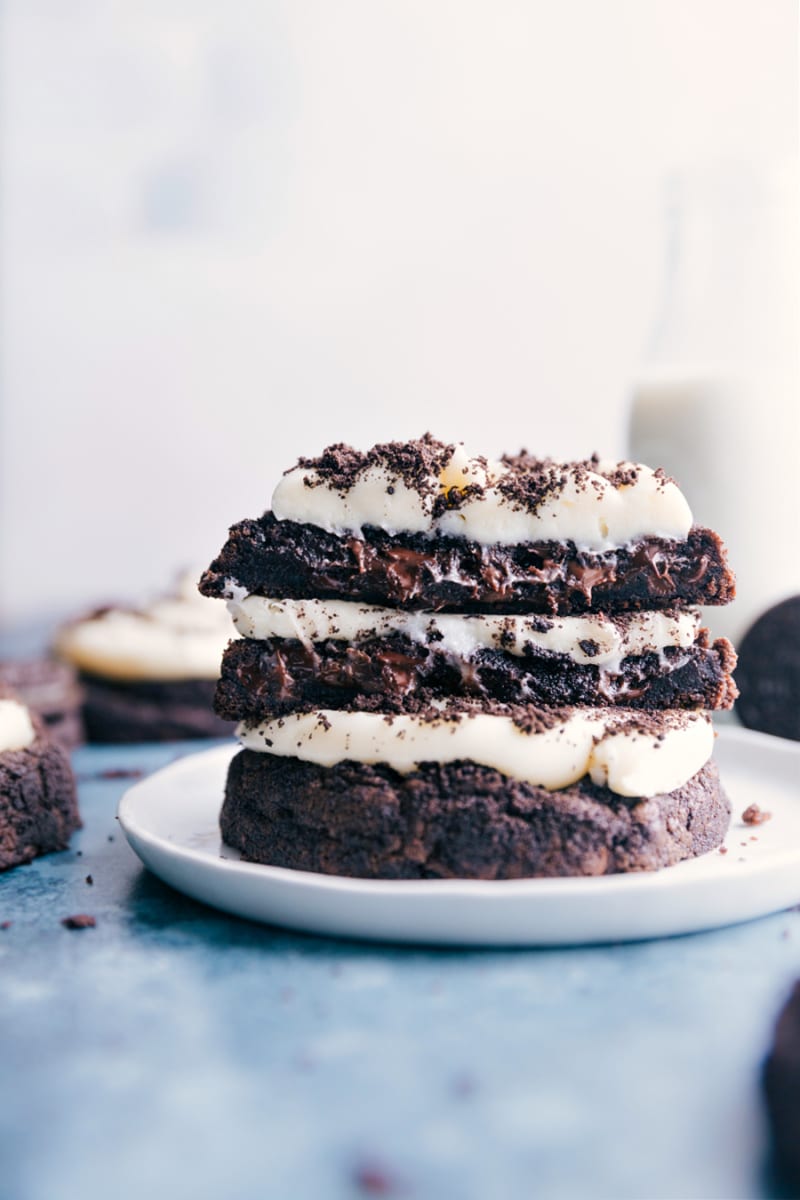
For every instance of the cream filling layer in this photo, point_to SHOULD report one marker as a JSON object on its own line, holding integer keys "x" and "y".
{"x": 629, "y": 761}
{"x": 595, "y": 514}
{"x": 586, "y": 639}
{"x": 176, "y": 638}
{"x": 16, "y": 727}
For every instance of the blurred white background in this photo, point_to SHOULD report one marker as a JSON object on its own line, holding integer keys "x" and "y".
{"x": 232, "y": 233}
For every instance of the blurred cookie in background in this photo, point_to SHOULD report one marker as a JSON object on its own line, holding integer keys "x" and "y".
{"x": 148, "y": 673}
{"x": 768, "y": 673}
{"x": 38, "y": 804}
{"x": 50, "y": 689}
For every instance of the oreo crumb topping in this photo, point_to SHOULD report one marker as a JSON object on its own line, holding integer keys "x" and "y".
{"x": 649, "y": 724}
{"x": 527, "y": 483}
{"x": 339, "y": 467}
{"x": 530, "y": 483}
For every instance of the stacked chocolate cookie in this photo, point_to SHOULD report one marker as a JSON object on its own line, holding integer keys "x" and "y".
{"x": 456, "y": 667}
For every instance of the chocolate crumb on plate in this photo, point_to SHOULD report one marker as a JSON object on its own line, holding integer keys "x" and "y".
{"x": 753, "y": 815}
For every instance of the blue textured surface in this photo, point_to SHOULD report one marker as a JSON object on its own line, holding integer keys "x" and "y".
{"x": 172, "y": 1051}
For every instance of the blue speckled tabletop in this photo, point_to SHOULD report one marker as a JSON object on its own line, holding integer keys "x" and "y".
{"x": 173, "y": 1051}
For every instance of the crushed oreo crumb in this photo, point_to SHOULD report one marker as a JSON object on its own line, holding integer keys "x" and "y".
{"x": 527, "y": 483}
{"x": 753, "y": 815}
{"x": 339, "y": 467}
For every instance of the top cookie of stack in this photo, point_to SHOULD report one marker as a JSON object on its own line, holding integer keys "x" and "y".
{"x": 457, "y": 667}
{"x": 574, "y": 583}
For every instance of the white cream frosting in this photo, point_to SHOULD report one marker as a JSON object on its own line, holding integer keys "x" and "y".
{"x": 181, "y": 636}
{"x": 631, "y": 762}
{"x": 593, "y": 512}
{"x": 461, "y": 636}
{"x": 16, "y": 727}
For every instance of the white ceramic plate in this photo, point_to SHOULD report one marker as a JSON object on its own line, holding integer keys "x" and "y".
{"x": 170, "y": 821}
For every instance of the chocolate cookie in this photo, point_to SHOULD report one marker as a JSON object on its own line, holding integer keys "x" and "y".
{"x": 782, "y": 1090}
{"x": 51, "y": 689}
{"x": 282, "y": 558}
{"x": 457, "y": 821}
{"x": 38, "y": 805}
{"x": 154, "y": 711}
{"x": 261, "y": 679}
{"x": 768, "y": 674}
{"x": 149, "y": 670}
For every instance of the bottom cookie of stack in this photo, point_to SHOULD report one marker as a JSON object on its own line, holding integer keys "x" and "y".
{"x": 541, "y": 793}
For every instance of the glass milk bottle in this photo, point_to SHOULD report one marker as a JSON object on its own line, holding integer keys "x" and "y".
{"x": 717, "y": 402}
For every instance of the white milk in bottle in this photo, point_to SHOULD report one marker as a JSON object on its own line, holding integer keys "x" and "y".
{"x": 718, "y": 403}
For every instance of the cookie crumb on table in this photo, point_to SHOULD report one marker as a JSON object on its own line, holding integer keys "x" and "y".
{"x": 372, "y": 1179}
{"x": 79, "y": 921}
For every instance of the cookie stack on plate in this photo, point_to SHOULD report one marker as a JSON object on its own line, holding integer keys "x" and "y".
{"x": 453, "y": 667}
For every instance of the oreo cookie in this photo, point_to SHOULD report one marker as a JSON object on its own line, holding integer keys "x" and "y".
{"x": 768, "y": 674}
